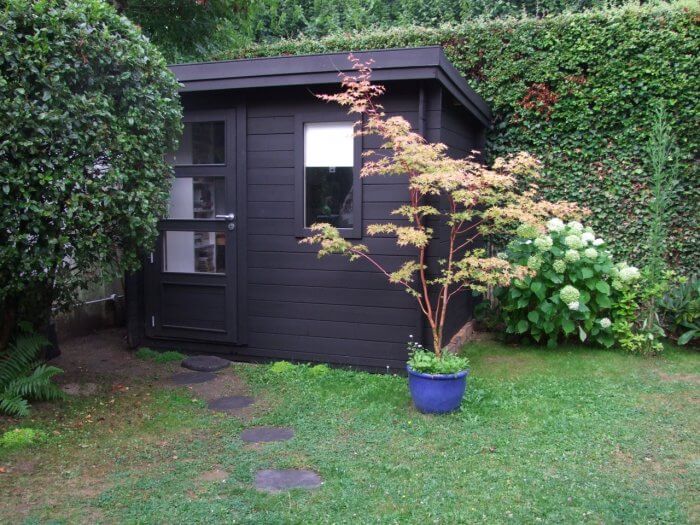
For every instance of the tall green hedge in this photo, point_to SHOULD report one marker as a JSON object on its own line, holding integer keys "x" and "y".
{"x": 577, "y": 90}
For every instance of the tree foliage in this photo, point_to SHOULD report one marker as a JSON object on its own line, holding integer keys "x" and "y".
{"x": 88, "y": 110}
{"x": 578, "y": 91}
{"x": 477, "y": 202}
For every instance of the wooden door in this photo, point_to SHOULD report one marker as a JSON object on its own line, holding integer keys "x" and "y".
{"x": 191, "y": 276}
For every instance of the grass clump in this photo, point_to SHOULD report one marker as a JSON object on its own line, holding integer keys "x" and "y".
{"x": 282, "y": 367}
{"x": 159, "y": 357}
{"x": 20, "y": 438}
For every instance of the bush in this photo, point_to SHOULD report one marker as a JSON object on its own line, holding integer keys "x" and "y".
{"x": 681, "y": 310}
{"x": 573, "y": 289}
{"x": 577, "y": 91}
{"x": 89, "y": 108}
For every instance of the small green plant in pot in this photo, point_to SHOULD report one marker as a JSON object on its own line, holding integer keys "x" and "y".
{"x": 464, "y": 198}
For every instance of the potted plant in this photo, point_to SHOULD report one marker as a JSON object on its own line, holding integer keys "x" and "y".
{"x": 464, "y": 198}
{"x": 437, "y": 384}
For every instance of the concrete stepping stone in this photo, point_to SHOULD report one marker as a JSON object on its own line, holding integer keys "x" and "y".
{"x": 281, "y": 480}
{"x": 192, "y": 378}
{"x": 205, "y": 363}
{"x": 267, "y": 434}
{"x": 230, "y": 403}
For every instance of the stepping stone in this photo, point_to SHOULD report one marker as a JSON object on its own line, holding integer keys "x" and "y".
{"x": 267, "y": 434}
{"x": 192, "y": 378}
{"x": 230, "y": 403}
{"x": 205, "y": 363}
{"x": 280, "y": 480}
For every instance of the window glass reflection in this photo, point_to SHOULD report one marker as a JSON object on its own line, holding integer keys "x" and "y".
{"x": 201, "y": 143}
{"x": 194, "y": 252}
{"x": 197, "y": 198}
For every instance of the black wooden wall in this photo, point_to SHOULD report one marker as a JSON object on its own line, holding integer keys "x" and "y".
{"x": 332, "y": 310}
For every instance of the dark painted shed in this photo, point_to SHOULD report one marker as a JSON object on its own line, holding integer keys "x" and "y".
{"x": 260, "y": 159}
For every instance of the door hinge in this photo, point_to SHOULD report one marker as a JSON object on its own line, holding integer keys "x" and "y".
{"x": 153, "y": 321}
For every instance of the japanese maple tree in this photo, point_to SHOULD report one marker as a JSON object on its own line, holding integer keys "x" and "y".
{"x": 470, "y": 199}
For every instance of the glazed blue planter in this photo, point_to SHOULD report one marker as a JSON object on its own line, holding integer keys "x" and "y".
{"x": 437, "y": 393}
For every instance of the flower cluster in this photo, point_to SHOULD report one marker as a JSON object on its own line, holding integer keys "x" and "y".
{"x": 544, "y": 243}
{"x": 575, "y": 287}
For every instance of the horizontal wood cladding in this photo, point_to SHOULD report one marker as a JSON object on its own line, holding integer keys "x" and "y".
{"x": 328, "y": 345}
{"x": 333, "y": 293}
{"x": 329, "y": 329}
{"x": 332, "y": 312}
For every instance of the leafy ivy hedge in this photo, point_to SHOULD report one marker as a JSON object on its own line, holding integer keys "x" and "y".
{"x": 577, "y": 90}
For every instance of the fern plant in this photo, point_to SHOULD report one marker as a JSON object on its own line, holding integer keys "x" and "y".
{"x": 23, "y": 378}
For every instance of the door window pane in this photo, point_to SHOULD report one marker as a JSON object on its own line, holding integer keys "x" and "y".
{"x": 201, "y": 143}
{"x": 196, "y": 198}
{"x": 194, "y": 252}
{"x": 328, "y": 173}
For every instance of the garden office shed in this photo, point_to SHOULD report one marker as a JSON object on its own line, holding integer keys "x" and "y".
{"x": 261, "y": 159}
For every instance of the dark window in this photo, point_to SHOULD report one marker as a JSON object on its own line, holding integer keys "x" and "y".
{"x": 329, "y": 173}
{"x": 201, "y": 143}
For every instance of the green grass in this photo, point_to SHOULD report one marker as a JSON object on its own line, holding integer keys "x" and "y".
{"x": 168, "y": 356}
{"x": 566, "y": 436}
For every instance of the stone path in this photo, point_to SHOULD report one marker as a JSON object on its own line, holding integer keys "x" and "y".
{"x": 267, "y": 434}
{"x": 192, "y": 378}
{"x": 205, "y": 363}
{"x": 280, "y": 480}
{"x": 230, "y": 404}
{"x": 268, "y": 480}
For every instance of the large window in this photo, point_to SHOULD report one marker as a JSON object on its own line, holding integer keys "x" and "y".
{"x": 329, "y": 174}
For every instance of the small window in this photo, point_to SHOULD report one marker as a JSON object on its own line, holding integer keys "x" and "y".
{"x": 196, "y": 198}
{"x": 201, "y": 143}
{"x": 194, "y": 252}
{"x": 329, "y": 173}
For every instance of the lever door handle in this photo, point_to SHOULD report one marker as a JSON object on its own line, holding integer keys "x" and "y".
{"x": 228, "y": 217}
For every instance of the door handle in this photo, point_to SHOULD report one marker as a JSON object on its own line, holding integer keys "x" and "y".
{"x": 228, "y": 217}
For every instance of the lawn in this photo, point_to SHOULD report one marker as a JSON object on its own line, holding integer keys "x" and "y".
{"x": 554, "y": 436}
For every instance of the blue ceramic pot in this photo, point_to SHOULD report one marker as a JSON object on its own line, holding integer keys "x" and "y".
{"x": 437, "y": 393}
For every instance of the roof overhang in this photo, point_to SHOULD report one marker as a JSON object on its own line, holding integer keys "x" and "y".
{"x": 417, "y": 63}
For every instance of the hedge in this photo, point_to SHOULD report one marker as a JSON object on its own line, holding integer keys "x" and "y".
{"x": 578, "y": 91}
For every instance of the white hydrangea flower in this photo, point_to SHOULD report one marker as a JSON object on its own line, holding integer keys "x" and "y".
{"x": 591, "y": 253}
{"x": 559, "y": 266}
{"x": 534, "y": 262}
{"x": 629, "y": 273}
{"x": 573, "y": 305}
{"x": 569, "y": 294}
{"x": 576, "y": 226}
{"x": 555, "y": 225}
{"x": 605, "y": 322}
{"x": 544, "y": 243}
{"x": 573, "y": 241}
{"x": 587, "y": 237}
{"x": 598, "y": 242}
{"x": 571, "y": 256}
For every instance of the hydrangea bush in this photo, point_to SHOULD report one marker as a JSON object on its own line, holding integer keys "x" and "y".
{"x": 573, "y": 285}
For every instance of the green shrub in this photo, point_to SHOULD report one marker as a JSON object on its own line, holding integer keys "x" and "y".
{"x": 578, "y": 92}
{"x": 168, "y": 356}
{"x": 21, "y": 437}
{"x": 681, "y": 310}
{"x": 22, "y": 378}
{"x": 89, "y": 108}
{"x": 574, "y": 287}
